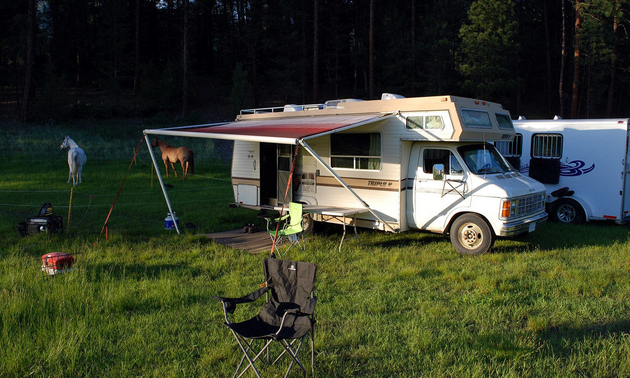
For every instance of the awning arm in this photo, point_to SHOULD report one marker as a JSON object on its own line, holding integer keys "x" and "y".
{"x": 159, "y": 176}
{"x": 330, "y": 170}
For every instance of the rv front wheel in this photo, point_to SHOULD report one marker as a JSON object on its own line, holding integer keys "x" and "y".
{"x": 471, "y": 235}
{"x": 567, "y": 211}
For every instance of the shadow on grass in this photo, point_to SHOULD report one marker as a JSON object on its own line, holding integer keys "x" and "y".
{"x": 142, "y": 271}
{"x": 563, "y": 338}
{"x": 554, "y": 235}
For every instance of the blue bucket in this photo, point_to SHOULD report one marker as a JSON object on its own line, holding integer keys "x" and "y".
{"x": 169, "y": 224}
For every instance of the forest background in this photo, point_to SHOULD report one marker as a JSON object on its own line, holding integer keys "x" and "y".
{"x": 72, "y": 59}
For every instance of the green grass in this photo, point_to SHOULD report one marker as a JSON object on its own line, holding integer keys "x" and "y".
{"x": 553, "y": 304}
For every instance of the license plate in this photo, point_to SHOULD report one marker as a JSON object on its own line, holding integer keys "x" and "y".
{"x": 532, "y": 227}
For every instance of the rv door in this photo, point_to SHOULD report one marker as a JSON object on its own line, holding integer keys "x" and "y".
{"x": 285, "y": 160}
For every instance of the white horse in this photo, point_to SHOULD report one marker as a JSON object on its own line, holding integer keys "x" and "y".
{"x": 76, "y": 159}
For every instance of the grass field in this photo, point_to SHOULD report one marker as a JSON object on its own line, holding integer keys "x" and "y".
{"x": 553, "y": 304}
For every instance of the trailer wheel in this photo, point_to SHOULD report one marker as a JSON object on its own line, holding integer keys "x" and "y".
{"x": 308, "y": 224}
{"x": 471, "y": 235}
{"x": 568, "y": 211}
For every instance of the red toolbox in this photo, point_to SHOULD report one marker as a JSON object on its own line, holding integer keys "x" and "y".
{"x": 57, "y": 262}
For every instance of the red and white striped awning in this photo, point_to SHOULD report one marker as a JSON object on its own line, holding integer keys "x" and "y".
{"x": 282, "y": 131}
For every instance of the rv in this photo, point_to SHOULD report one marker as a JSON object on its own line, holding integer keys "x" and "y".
{"x": 582, "y": 163}
{"x": 393, "y": 164}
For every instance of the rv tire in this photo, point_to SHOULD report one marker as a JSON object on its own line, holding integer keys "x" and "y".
{"x": 471, "y": 235}
{"x": 308, "y": 224}
{"x": 567, "y": 211}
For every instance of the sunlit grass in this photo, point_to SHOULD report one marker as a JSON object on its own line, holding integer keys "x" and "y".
{"x": 552, "y": 304}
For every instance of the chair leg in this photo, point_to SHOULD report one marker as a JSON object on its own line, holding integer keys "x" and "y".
{"x": 240, "y": 342}
{"x": 293, "y": 354}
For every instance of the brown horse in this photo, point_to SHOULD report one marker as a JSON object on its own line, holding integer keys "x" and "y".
{"x": 171, "y": 155}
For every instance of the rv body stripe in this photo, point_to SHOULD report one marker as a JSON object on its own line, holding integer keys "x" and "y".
{"x": 245, "y": 181}
{"x": 361, "y": 183}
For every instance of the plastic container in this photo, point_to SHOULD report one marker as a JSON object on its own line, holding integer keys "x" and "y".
{"x": 169, "y": 224}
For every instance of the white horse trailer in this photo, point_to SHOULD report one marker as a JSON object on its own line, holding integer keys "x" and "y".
{"x": 392, "y": 164}
{"x": 582, "y": 163}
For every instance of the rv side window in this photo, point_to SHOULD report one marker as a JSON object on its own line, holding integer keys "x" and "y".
{"x": 476, "y": 118}
{"x": 415, "y": 122}
{"x": 355, "y": 151}
{"x": 547, "y": 146}
{"x": 430, "y": 157}
{"x": 430, "y": 122}
{"x": 504, "y": 121}
{"x": 511, "y": 148}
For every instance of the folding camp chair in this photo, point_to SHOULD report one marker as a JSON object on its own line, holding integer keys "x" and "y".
{"x": 290, "y": 227}
{"x": 287, "y": 317}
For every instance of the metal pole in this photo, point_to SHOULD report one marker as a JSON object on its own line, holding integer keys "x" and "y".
{"x": 159, "y": 176}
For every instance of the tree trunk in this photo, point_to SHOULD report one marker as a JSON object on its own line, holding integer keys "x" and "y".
{"x": 413, "y": 47}
{"x": 185, "y": 102}
{"x": 563, "y": 59}
{"x": 30, "y": 57}
{"x": 315, "y": 48}
{"x": 136, "y": 68}
{"x": 371, "y": 68}
{"x": 576, "y": 61}
{"x": 613, "y": 62}
{"x": 548, "y": 57}
{"x": 303, "y": 73}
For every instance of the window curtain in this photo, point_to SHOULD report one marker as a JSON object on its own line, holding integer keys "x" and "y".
{"x": 375, "y": 150}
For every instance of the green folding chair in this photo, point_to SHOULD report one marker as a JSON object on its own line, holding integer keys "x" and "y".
{"x": 290, "y": 228}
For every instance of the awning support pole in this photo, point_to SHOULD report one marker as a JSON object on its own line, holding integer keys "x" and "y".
{"x": 159, "y": 176}
{"x": 330, "y": 170}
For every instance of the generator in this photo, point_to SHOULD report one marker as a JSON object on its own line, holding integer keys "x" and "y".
{"x": 45, "y": 221}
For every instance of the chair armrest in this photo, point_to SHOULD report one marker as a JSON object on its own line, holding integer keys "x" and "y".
{"x": 229, "y": 304}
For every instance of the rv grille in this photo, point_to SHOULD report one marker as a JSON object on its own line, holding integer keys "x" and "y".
{"x": 523, "y": 206}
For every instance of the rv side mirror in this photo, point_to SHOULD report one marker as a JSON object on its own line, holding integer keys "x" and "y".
{"x": 438, "y": 171}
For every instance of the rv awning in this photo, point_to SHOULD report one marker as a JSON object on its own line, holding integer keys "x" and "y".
{"x": 282, "y": 131}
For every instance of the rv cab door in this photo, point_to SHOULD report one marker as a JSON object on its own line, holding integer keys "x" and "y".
{"x": 432, "y": 199}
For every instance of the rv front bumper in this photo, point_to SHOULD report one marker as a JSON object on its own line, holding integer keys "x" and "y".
{"x": 521, "y": 226}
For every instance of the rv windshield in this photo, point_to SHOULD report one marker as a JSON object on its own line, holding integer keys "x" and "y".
{"x": 484, "y": 159}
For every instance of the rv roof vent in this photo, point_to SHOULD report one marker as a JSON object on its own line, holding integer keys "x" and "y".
{"x": 292, "y": 108}
{"x": 335, "y": 103}
{"x": 520, "y": 118}
{"x": 556, "y": 117}
{"x": 390, "y": 96}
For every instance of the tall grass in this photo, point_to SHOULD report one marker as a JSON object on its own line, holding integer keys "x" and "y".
{"x": 552, "y": 304}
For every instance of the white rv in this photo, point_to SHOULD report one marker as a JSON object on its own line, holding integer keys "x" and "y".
{"x": 392, "y": 164}
{"x": 582, "y": 163}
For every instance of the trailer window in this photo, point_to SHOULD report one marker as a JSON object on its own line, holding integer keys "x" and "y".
{"x": 504, "y": 121}
{"x": 355, "y": 151}
{"x": 476, "y": 118}
{"x": 511, "y": 148}
{"x": 547, "y": 146}
{"x": 429, "y": 122}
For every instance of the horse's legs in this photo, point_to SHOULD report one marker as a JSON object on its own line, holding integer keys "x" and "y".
{"x": 166, "y": 166}
{"x": 70, "y": 175}
{"x": 80, "y": 179}
{"x": 174, "y": 170}
{"x": 184, "y": 169}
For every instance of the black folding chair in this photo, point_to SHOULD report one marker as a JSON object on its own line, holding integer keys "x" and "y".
{"x": 287, "y": 317}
